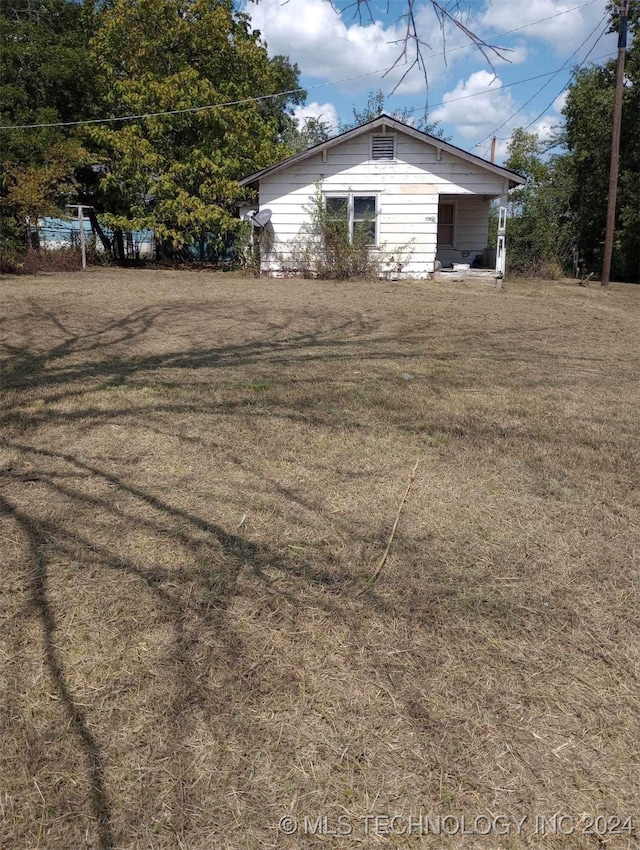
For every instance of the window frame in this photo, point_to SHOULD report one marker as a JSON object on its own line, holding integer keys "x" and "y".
{"x": 350, "y": 197}
{"x": 453, "y": 225}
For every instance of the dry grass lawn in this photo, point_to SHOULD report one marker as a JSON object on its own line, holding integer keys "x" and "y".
{"x": 198, "y": 477}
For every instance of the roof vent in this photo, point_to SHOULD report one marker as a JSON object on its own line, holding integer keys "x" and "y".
{"x": 383, "y": 147}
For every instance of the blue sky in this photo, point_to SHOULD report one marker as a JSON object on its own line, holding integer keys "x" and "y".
{"x": 342, "y": 59}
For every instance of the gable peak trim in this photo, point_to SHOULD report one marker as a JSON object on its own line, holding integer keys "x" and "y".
{"x": 387, "y": 122}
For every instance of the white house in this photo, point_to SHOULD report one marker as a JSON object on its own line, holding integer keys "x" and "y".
{"x": 416, "y": 191}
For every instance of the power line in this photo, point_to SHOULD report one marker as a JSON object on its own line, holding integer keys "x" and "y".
{"x": 260, "y": 98}
{"x": 530, "y": 24}
{"x": 506, "y": 86}
{"x": 555, "y": 74}
{"x": 407, "y": 111}
{"x": 565, "y": 87}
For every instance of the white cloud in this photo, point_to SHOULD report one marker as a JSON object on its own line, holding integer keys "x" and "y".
{"x": 325, "y": 112}
{"x": 330, "y": 46}
{"x": 327, "y": 46}
{"x": 560, "y": 102}
{"x": 544, "y": 127}
{"x": 563, "y": 32}
{"x": 313, "y": 35}
{"x": 476, "y": 106}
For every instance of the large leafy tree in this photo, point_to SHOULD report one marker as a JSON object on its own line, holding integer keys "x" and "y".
{"x": 589, "y": 117}
{"x": 178, "y": 173}
{"x": 46, "y": 76}
{"x": 559, "y": 217}
{"x": 539, "y": 230}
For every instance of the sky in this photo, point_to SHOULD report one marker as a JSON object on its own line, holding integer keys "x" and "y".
{"x": 343, "y": 57}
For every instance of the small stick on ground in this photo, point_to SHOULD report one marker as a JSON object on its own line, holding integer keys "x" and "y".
{"x": 383, "y": 559}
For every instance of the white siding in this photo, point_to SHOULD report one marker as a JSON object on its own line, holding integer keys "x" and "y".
{"x": 407, "y": 190}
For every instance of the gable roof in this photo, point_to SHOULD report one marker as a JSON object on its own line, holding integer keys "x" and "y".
{"x": 387, "y": 121}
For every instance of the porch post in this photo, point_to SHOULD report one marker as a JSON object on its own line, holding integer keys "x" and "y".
{"x": 501, "y": 247}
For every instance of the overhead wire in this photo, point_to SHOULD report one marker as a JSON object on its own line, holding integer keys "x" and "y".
{"x": 260, "y": 98}
{"x": 554, "y": 75}
{"x": 503, "y": 86}
{"x": 565, "y": 87}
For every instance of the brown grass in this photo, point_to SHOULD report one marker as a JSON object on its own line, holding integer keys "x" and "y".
{"x": 198, "y": 476}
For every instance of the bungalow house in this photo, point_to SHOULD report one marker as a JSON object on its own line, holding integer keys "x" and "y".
{"x": 422, "y": 198}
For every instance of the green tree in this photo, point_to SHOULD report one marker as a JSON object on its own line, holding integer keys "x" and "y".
{"x": 589, "y": 116}
{"x": 375, "y": 106}
{"x": 46, "y": 76}
{"x": 312, "y": 132}
{"x": 560, "y": 215}
{"x": 538, "y": 231}
{"x": 177, "y": 173}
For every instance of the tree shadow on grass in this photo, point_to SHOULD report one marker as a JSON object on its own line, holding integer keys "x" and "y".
{"x": 93, "y": 356}
{"x": 216, "y": 556}
{"x": 193, "y": 601}
{"x": 39, "y": 593}
{"x": 203, "y": 590}
{"x": 76, "y": 365}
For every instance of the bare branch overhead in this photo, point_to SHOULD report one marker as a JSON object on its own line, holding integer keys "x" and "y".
{"x": 412, "y": 45}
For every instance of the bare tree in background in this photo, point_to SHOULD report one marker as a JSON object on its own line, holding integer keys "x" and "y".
{"x": 411, "y": 45}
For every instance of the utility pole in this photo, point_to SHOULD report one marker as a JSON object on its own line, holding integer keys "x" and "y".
{"x": 615, "y": 143}
{"x": 493, "y": 149}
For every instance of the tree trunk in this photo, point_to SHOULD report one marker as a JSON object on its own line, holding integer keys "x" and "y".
{"x": 119, "y": 241}
{"x": 97, "y": 229}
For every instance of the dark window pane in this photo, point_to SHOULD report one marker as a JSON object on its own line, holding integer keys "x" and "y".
{"x": 364, "y": 207}
{"x": 364, "y": 216}
{"x": 369, "y": 227}
{"x": 337, "y": 207}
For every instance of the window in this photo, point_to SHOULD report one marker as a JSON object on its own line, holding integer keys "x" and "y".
{"x": 383, "y": 147}
{"x": 351, "y": 212}
{"x": 446, "y": 223}
{"x": 338, "y": 213}
{"x": 364, "y": 216}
